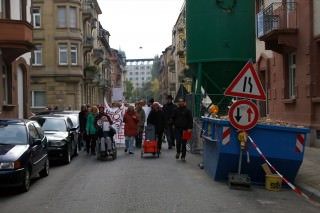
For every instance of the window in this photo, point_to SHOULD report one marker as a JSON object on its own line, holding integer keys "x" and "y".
{"x": 74, "y": 54}
{"x": 36, "y": 18}
{"x": 142, "y": 78}
{"x": 73, "y": 17}
{"x": 142, "y": 73}
{"x": 2, "y": 9}
{"x": 38, "y": 99}
{"x": 130, "y": 79}
{"x": 137, "y": 73}
{"x": 137, "y": 79}
{"x": 37, "y": 55}
{"x": 292, "y": 75}
{"x": 63, "y": 56}
{"x": 62, "y": 17}
{"x": 130, "y": 73}
{"x": 149, "y": 78}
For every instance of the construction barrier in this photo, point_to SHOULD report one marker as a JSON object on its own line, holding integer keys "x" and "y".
{"x": 283, "y": 146}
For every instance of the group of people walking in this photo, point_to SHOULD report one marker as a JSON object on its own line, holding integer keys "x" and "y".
{"x": 171, "y": 120}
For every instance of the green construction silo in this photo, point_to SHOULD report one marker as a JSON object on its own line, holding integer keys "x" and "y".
{"x": 220, "y": 40}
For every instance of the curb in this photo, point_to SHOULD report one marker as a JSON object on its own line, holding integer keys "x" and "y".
{"x": 310, "y": 191}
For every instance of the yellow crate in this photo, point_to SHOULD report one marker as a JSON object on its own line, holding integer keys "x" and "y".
{"x": 273, "y": 182}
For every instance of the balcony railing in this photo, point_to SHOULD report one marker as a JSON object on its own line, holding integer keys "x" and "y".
{"x": 277, "y": 16}
{"x": 98, "y": 55}
{"x": 88, "y": 9}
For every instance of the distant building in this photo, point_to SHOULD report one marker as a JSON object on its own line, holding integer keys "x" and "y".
{"x": 139, "y": 71}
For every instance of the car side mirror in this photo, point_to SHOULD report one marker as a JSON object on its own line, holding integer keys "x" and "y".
{"x": 36, "y": 141}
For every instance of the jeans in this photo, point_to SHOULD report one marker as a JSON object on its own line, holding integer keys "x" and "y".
{"x": 129, "y": 143}
{"x": 159, "y": 138}
{"x": 139, "y": 139}
{"x": 91, "y": 143}
{"x": 181, "y": 144}
{"x": 169, "y": 131}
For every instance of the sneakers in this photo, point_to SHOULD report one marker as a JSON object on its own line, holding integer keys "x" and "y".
{"x": 131, "y": 153}
{"x": 183, "y": 158}
{"x": 177, "y": 155}
{"x": 125, "y": 150}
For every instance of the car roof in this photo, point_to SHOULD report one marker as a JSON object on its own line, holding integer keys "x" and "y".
{"x": 49, "y": 116}
{"x": 12, "y": 121}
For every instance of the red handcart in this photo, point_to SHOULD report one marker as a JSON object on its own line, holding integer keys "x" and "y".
{"x": 150, "y": 144}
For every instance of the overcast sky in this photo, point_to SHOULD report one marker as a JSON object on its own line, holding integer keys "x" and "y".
{"x": 141, "y": 28}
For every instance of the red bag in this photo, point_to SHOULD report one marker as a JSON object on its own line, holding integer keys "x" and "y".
{"x": 186, "y": 135}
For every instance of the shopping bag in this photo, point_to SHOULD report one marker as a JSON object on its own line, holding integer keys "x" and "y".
{"x": 186, "y": 134}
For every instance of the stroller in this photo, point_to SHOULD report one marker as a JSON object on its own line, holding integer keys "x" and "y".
{"x": 106, "y": 147}
{"x": 150, "y": 144}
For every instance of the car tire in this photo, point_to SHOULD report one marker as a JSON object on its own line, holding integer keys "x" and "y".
{"x": 45, "y": 171}
{"x": 67, "y": 159}
{"x": 26, "y": 181}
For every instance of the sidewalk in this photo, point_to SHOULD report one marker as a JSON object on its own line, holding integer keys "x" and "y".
{"x": 308, "y": 178}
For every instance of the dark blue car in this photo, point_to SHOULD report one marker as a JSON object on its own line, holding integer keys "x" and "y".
{"x": 23, "y": 153}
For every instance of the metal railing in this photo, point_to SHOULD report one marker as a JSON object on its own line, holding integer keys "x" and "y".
{"x": 277, "y": 16}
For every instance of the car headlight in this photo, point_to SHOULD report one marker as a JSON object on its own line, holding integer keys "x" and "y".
{"x": 57, "y": 143}
{"x": 10, "y": 165}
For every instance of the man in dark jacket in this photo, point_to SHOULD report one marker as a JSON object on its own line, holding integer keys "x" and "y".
{"x": 168, "y": 110}
{"x": 182, "y": 121}
{"x": 156, "y": 118}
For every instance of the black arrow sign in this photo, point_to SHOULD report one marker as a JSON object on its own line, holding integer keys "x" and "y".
{"x": 238, "y": 117}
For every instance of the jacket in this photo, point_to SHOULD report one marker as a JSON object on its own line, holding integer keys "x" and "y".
{"x": 91, "y": 125}
{"x": 168, "y": 110}
{"x": 157, "y": 119}
{"x": 182, "y": 118}
{"x": 142, "y": 118}
{"x": 131, "y": 124}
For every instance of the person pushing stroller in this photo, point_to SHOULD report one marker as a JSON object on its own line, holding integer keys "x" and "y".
{"x": 105, "y": 132}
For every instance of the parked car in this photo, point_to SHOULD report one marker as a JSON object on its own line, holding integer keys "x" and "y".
{"x": 23, "y": 153}
{"x": 62, "y": 141}
{"x": 74, "y": 116}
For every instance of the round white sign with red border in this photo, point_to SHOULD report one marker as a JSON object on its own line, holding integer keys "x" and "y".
{"x": 243, "y": 115}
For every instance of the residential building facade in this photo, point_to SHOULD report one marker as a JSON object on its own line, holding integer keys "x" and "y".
{"x": 174, "y": 60}
{"x": 167, "y": 75}
{"x": 70, "y": 60}
{"x": 15, "y": 47}
{"x": 139, "y": 71}
{"x": 288, "y": 55}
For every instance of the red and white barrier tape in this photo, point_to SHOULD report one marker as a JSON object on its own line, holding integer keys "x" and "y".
{"x": 293, "y": 187}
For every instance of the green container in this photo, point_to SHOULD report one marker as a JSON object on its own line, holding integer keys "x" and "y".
{"x": 221, "y": 36}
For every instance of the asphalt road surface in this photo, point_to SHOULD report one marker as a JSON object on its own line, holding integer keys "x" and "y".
{"x": 132, "y": 184}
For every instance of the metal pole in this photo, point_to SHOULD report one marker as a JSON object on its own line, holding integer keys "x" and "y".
{"x": 198, "y": 91}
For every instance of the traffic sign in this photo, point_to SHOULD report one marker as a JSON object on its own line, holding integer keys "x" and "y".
{"x": 246, "y": 84}
{"x": 243, "y": 115}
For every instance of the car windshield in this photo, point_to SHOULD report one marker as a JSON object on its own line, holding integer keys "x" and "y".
{"x": 13, "y": 134}
{"x": 73, "y": 117}
{"x": 53, "y": 124}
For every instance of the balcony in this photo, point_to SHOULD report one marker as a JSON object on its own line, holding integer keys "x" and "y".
{"x": 87, "y": 44}
{"x": 14, "y": 44}
{"x": 277, "y": 27}
{"x": 87, "y": 10}
{"x": 91, "y": 72}
{"x": 98, "y": 55}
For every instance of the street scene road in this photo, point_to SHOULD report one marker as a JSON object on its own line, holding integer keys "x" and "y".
{"x": 133, "y": 184}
